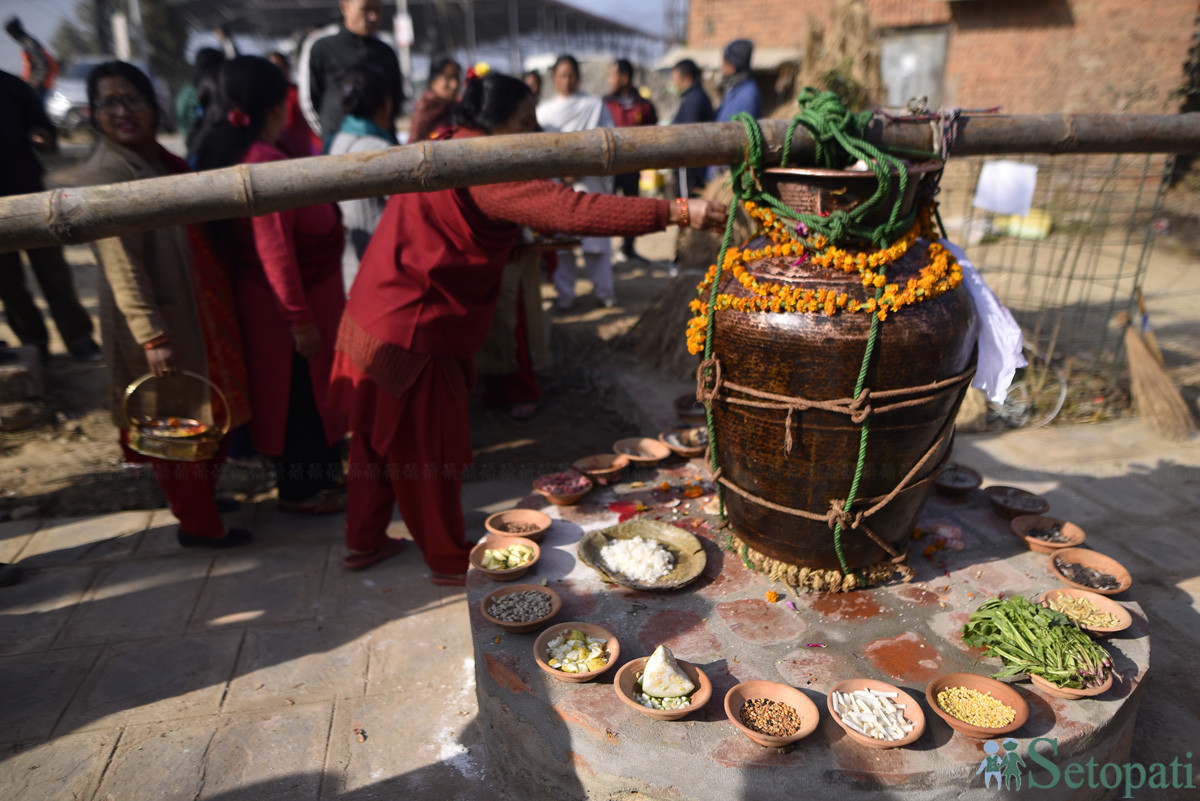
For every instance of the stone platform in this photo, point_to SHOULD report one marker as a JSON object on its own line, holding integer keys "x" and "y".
{"x": 551, "y": 739}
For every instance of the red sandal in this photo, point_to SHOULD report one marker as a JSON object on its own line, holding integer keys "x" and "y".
{"x": 361, "y": 561}
{"x": 455, "y": 580}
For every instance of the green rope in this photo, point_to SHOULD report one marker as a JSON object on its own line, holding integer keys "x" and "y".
{"x": 838, "y": 140}
{"x": 863, "y": 432}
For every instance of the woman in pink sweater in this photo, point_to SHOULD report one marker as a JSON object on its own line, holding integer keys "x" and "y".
{"x": 289, "y": 293}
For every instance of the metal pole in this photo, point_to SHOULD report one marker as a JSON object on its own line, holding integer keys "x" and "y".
{"x": 514, "y": 39}
{"x": 87, "y": 213}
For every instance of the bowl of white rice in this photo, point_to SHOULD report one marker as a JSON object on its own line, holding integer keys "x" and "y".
{"x": 644, "y": 554}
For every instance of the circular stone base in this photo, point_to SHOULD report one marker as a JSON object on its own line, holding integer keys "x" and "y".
{"x": 551, "y": 739}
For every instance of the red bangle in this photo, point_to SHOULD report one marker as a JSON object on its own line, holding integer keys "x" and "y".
{"x": 161, "y": 339}
{"x": 684, "y": 218}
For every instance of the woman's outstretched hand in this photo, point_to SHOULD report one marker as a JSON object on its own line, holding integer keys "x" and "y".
{"x": 698, "y": 213}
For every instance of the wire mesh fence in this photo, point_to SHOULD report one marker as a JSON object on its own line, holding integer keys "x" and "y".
{"x": 1067, "y": 271}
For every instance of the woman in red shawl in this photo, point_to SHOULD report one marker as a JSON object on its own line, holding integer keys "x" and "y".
{"x": 419, "y": 309}
{"x": 289, "y": 294}
{"x": 435, "y": 105}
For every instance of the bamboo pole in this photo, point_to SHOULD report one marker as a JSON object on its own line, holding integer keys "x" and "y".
{"x": 87, "y": 213}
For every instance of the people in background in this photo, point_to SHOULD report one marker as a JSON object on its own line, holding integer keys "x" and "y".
{"x": 328, "y": 53}
{"x": 694, "y": 106}
{"x": 533, "y": 79}
{"x": 297, "y": 139}
{"x": 368, "y": 106}
{"x": 165, "y": 302}
{"x": 568, "y": 111}
{"x": 437, "y": 102}
{"x": 24, "y": 127}
{"x": 739, "y": 92}
{"x": 38, "y": 67}
{"x": 628, "y": 108}
{"x": 225, "y": 41}
{"x": 189, "y": 105}
{"x": 420, "y": 308}
{"x": 289, "y": 294}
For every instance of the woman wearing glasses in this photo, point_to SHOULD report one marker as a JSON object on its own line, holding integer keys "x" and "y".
{"x": 165, "y": 303}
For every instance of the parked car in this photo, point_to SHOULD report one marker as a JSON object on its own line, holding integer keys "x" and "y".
{"x": 67, "y": 105}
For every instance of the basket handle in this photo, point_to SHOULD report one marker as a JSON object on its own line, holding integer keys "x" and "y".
{"x": 137, "y": 382}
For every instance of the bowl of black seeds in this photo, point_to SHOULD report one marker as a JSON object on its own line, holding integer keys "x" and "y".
{"x": 1086, "y": 569}
{"x": 1047, "y": 534}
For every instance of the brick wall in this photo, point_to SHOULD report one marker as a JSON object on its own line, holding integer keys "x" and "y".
{"x": 1028, "y": 56}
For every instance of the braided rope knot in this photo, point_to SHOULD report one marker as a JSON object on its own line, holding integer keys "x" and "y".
{"x": 838, "y": 515}
{"x": 860, "y": 408}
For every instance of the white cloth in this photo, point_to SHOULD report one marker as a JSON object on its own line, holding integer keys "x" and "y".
{"x": 582, "y": 112}
{"x": 1006, "y": 187}
{"x": 578, "y": 112}
{"x": 1000, "y": 337}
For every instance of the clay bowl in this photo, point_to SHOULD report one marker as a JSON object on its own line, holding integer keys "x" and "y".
{"x": 912, "y": 712}
{"x": 689, "y": 410}
{"x": 499, "y": 543}
{"x": 1104, "y": 604}
{"x": 1001, "y": 692}
{"x": 591, "y": 630}
{"x": 957, "y": 479}
{"x": 603, "y": 467}
{"x": 1022, "y": 525}
{"x": 739, "y": 694}
{"x": 498, "y": 524}
{"x": 626, "y": 682}
{"x": 563, "y": 498}
{"x": 684, "y": 442}
{"x": 526, "y": 626}
{"x": 1050, "y": 688}
{"x": 642, "y": 451}
{"x": 1097, "y": 561}
{"x": 1011, "y": 502}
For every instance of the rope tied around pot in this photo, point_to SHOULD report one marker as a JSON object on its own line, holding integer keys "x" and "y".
{"x": 842, "y": 514}
{"x": 838, "y": 135}
{"x": 710, "y": 382}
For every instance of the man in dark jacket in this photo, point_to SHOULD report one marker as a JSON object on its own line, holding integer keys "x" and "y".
{"x": 694, "y": 106}
{"x": 328, "y": 53}
{"x": 23, "y": 126}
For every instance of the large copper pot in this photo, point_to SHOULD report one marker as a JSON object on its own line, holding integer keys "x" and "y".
{"x": 817, "y": 357}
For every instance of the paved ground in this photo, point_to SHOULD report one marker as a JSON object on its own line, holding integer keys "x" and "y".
{"x": 130, "y": 669}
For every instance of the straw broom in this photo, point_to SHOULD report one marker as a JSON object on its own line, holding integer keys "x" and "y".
{"x": 1154, "y": 393}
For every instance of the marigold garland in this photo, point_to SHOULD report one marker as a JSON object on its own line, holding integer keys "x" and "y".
{"x": 940, "y": 275}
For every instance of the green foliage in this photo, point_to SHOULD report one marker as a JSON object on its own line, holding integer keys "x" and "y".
{"x": 1030, "y": 638}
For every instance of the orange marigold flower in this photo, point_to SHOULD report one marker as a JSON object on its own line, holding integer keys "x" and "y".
{"x": 772, "y": 596}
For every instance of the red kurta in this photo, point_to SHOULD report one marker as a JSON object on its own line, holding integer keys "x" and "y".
{"x": 291, "y": 276}
{"x": 421, "y": 306}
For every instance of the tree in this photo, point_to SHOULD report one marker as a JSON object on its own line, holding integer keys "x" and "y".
{"x": 166, "y": 37}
